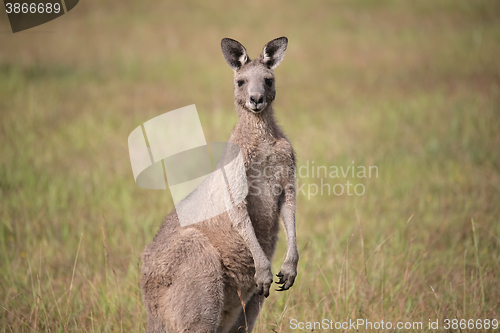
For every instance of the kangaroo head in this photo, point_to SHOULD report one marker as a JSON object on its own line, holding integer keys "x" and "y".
{"x": 254, "y": 88}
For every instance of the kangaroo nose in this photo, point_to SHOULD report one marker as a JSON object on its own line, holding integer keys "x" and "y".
{"x": 256, "y": 99}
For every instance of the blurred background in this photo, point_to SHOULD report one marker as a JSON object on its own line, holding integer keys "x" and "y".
{"x": 411, "y": 87}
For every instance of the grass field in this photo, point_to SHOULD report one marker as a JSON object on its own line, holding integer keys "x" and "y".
{"x": 410, "y": 87}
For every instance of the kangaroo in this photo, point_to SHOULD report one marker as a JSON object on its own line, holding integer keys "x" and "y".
{"x": 214, "y": 275}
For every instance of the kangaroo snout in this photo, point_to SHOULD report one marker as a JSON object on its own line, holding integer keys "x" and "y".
{"x": 256, "y": 99}
{"x": 256, "y": 102}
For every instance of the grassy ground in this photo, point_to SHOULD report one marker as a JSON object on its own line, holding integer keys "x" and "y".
{"x": 412, "y": 88}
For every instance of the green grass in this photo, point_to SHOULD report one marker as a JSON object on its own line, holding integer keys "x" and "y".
{"x": 410, "y": 87}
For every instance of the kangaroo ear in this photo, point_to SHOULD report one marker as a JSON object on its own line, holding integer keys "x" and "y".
{"x": 234, "y": 53}
{"x": 274, "y": 52}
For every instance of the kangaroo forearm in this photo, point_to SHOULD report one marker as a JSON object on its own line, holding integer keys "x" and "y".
{"x": 288, "y": 217}
{"x": 243, "y": 225}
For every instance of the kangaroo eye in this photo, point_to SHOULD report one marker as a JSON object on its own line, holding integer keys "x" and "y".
{"x": 269, "y": 82}
{"x": 240, "y": 83}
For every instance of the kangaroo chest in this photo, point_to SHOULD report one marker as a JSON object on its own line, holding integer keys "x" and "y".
{"x": 266, "y": 174}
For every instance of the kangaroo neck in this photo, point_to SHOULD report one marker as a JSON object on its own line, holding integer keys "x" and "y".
{"x": 255, "y": 134}
{"x": 260, "y": 126}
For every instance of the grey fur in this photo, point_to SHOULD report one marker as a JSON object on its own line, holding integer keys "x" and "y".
{"x": 195, "y": 278}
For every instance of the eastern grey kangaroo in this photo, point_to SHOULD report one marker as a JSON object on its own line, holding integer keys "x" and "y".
{"x": 196, "y": 278}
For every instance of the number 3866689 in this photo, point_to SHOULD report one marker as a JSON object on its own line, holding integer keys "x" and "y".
{"x": 25, "y": 8}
